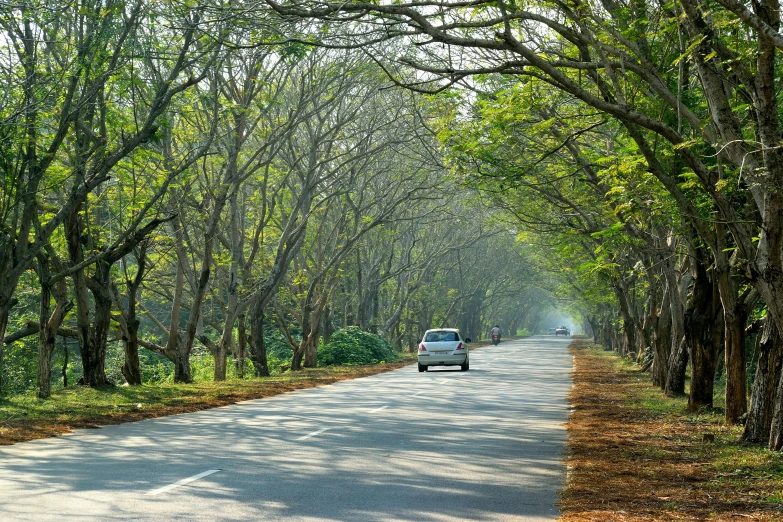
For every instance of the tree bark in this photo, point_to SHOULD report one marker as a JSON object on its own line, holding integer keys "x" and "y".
{"x": 92, "y": 358}
{"x": 257, "y": 345}
{"x": 45, "y": 341}
{"x": 49, "y": 324}
{"x": 94, "y": 352}
{"x": 735, "y": 360}
{"x": 768, "y": 372}
{"x": 678, "y": 356}
{"x": 776, "y": 429}
{"x": 662, "y": 340}
{"x": 241, "y": 351}
{"x": 4, "y": 311}
{"x": 131, "y": 368}
{"x": 704, "y": 332}
{"x": 179, "y": 351}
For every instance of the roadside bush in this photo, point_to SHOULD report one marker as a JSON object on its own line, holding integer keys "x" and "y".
{"x": 20, "y": 367}
{"x": 352, "y": 346}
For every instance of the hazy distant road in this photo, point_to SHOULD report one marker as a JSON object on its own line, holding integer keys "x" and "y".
{"x": 486, "y": 444}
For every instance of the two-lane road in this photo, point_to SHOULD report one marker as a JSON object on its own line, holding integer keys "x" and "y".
{"x": 487, "y": 444}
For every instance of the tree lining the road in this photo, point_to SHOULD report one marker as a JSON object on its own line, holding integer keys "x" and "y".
{"x": 681, "y": 97}
{"x": 209, "y": 183}
{"x": 201, "y": 194}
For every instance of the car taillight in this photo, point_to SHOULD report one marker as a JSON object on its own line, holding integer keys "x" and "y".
{"x": 460, "y": 347}
{"x": 422, "y": 348}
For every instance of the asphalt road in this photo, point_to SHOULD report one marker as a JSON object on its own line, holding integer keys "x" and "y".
{"x": 487, "y": 444}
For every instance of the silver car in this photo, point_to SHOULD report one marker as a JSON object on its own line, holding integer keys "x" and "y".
{"x": 443, "y": 347}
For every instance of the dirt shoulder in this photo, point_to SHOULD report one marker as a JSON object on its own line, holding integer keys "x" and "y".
{"x": 635, "y": 455}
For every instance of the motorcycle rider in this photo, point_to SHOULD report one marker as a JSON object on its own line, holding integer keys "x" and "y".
{"x": 495, "y": 332}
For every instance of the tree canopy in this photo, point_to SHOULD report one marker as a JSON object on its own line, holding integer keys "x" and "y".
{"x": 235, "y": 183}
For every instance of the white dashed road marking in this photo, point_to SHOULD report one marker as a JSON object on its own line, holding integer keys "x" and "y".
{"x": 313, "y": 434}
{"x": 182, "y": 482}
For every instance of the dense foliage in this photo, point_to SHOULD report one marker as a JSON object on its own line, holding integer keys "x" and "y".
{"x": 182, "y": 179}
{"x": 353, "y": 346}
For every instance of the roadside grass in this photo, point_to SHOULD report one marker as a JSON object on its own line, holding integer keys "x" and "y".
{"x": 25, "y": 417}
{"x": 635, "y": 454}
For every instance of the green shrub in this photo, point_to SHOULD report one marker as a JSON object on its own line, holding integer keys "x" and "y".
{"x": 20, "y": 367}
{"x": 351, "y": 346}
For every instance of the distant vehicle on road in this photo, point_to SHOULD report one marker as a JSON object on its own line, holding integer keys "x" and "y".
{"x": 562, "y": 330}
{"x": 495, "y": 335}
{"x": 443, "y": 347}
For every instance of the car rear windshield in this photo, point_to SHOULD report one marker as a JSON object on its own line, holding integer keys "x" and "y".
{"x": 434, "y": 337}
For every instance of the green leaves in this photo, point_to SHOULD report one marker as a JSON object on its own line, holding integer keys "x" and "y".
{"x": 351, "y": 345}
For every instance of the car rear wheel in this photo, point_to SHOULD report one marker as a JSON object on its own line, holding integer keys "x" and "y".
{"x": 465, "y": 367}
{"x": 422, "y": 368}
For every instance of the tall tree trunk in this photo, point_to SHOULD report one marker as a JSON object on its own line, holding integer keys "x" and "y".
{"x": 662, "y": 341}
{"x": 241, "y": 347}
{"x": 606, "y": 334}
{"x": 257, "y": 345}
{"x": 221, "y": 360}
{"x": 50, "y": 322}
{"x": 594, "y": 328}
{"x": 735, "y": 315}
{"x": 327, "y": 328}
{"x": 765, "y": 384}
{"x": 735, "y": 360}
{"x": 4, "y": 311}
{"x": 94, "y": 361}
{"x": 64, "y": 370}
{"x": 776, "y": 430}
{"x": 311, "y": 326}
{"x": 131, "y": 368}
{"x": 678, "y": 356}
{"x": 180, "y": 352}
{"x": 629, "y": 319}
{"x": 45, "y": 342}
{"x": 678, "y": 366}
{"x": 643, "y": 333}
{"x": 704, "y": 332}
{"x": 93, "y": 357}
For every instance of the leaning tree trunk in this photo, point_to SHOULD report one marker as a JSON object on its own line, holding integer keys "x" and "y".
{"x": 296, "y": 358}
{"x": 768, "y": 372}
